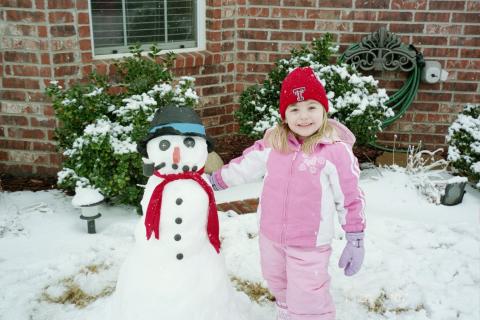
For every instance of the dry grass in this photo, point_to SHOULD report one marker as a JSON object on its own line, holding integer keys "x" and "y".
{"x": 73, "y": 294}
{"x": 254, "y": 290}
{"x": 378, "y": 305}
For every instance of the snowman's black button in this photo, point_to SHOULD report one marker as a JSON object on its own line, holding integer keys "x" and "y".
{"x": 194, "y": 168}
{"x": 180, "y": 256}
{"x": 179, "y": 201}
{"x": 177, "y": 237}
{"x": 175, "y": 166}
{"x": 185, "y": 168}
{"x": 178, "y": 220}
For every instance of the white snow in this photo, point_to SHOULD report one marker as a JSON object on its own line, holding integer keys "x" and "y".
{"x": 422, "y": 260}
{"x": 86, "y": 196}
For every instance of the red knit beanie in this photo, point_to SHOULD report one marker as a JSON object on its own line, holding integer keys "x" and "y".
{"x": 299, "y": 85}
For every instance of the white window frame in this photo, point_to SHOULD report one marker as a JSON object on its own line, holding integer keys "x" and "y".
{"x": 201, "y": 41}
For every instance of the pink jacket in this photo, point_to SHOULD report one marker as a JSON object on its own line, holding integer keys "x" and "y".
{"x": 302, "y": 192}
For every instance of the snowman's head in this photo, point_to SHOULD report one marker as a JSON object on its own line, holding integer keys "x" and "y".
{"x": 176, "y": 141}
{"x": 177, "y": 153}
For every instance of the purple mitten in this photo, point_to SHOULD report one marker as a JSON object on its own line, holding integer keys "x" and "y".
{"x": 352, "y": 256}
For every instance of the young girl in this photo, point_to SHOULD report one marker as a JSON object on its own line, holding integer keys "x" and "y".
{"x": 309, "y": 174}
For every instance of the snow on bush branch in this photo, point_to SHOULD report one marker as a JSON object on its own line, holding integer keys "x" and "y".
{"x": 464, "y": 143}
{"x": 354, "y": 100}
{"x": 102, "y": 120}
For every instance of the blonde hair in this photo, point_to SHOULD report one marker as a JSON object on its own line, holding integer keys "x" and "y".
{"x": 277, "y": 138}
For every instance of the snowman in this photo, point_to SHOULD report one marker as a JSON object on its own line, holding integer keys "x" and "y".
{"x": 175, "y": 270}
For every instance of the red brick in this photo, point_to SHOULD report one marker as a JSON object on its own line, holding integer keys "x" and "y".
{"x": 214, "y": 14}
{"x": 83, "y": 18}
{"x": 473, "y": 6}
{"x": 25, "y": 71}
{"x": 45, "y": 57}
{"x": 407, "y": 28}
{"x": 332, "y": 26}
{"x": 372, "y": 4}
{"x": 15, "y": 144}
{"x": 467, "y": 98}
{"x": 4, "y": 156}
{"x": 61, "y": 4}
{"x": 257, "y": 12}
{"x": 43, "y": 146}
{"x": 252, "y": 34}
{"x": 85, "y": 44}
{"x": 65, "y": 71}
{"x": 19, "y": 57}
{"x": 335, "y": 3}
{"x": 424, "y": 106}
{"x": 42, "y": 31}
{"x": 288, "y": 13}
{"x": 40, "y": 4}
{"x": 264, "y": 2}
{"x": 367, "y": 27}
{"x": 466, "y": 17}
{"x": 262, "y": 46}
{"x": 465, "y": 41}
{"x": 22, "y": 30}
{"x": 430, "y": 40}
{"x": 434, "y": 96}
{"x": 463, "y": 64}
{"x": 13, "y": 120}
{"x": 359, "y": 15}
{"x": 20, "y": 83}
{"x": 286, "y": 36}
{"x": 470, "y": 53}
{"x": 447, "y": 5}
{"x": 299, "y": 3}
{"x": 82, "y": 4}
{"x": 409, "y": 4}
{"x": 263, "y": 24}
{"x": 395, "y": 16}
{"x": 12, "y": 95}
{"x": 460, "y": 86}
{"x": 439, "y": 29}
{"x": 62, "y": 58}
{"x": 432, "y": 16}
{"x": 25, "y": 16}
{"x": 84, "y": 31}
{"x": 440, "y": 52}
{"x": 16, "y": 3}
{"x": 468, "y": 76}
{"x": 298, "y": 24}
{"x": 45, "y": 123}
{"x": 62, "y": 31}
{"x": 60, "y": 17}
{"x": 29, "y": 133}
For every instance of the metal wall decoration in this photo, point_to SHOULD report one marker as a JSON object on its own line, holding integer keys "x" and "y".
{"x": 382, "y": 50}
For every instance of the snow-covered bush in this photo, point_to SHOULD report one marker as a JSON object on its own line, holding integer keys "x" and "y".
{"x": 101, "y": 122}
{"x": 464, "y": 143}
{"x": 354, "y": 100}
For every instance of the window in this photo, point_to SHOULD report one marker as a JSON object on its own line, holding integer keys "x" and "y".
{"x": 169, "y": 24}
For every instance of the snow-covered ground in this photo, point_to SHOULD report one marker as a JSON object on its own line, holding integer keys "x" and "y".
{"x": 422, "y": 260}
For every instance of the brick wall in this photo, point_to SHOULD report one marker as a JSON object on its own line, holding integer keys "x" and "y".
{"x": 43, "y": 40}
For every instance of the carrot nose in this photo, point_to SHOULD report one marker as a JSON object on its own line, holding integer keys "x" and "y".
{"x": 176, "y": 155}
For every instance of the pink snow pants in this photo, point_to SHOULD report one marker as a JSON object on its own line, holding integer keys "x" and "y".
{"x": 299, "y": 279}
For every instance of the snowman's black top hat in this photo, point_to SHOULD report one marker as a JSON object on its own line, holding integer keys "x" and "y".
{"x": 172, "y": 120}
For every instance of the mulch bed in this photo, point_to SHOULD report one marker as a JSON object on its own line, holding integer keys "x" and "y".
{"x": 14, "y": 183}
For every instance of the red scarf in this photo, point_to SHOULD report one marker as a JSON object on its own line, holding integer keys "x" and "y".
{"x": 152, "y": 219}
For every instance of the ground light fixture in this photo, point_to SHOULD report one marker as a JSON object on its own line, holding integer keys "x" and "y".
{"x": 88, "y": 200}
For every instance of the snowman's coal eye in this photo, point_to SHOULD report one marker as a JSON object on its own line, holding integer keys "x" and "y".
{"x": 164, "y": 145}
{"x": 189, "y": 142}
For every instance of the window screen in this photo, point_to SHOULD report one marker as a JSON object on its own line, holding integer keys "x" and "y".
{"x": 117, "y": 24}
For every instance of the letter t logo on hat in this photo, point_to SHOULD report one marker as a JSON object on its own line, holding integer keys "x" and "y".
{"x": 299, "y": 85}
{"x": 299, "y": 93}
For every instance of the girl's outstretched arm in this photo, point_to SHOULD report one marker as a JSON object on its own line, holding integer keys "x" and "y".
{"x": 249, "y": 167}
